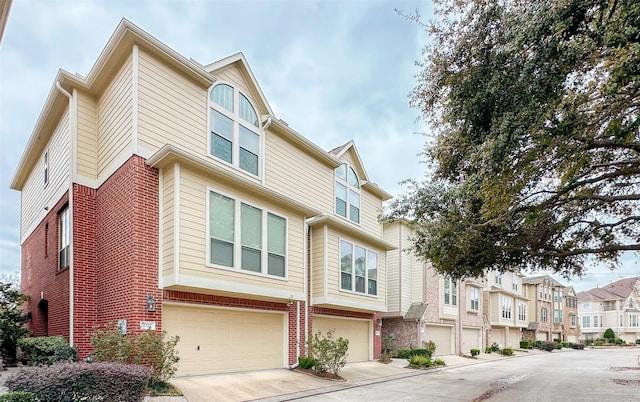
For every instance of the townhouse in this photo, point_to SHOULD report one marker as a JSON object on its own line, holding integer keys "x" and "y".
{"x": 546, "y": 306}
{"x": 425, "y": 306}
{"x": 162, "y": 194}
{"x": 506, "y": 308}
{"x": 614, "y": 306}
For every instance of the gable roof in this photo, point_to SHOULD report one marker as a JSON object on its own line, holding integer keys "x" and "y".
{"x": 241, "y": 62}
{"x": 536, "y": 280}
{"x": 416, "y": 311}
{"x": 615, "y": 290}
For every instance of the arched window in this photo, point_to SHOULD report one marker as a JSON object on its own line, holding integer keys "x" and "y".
{"x": 347, "y": 193}
{"x": 232, "y": 139}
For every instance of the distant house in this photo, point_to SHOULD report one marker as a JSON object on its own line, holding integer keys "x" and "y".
{"x": 614, "y": 306}
{"x": 162, "y": 194}
{"x": 425, "y": 306}
{"x": 506, "y": 308}
{"x": 546, "y": 304}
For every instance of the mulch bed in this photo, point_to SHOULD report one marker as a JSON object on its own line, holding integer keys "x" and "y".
{"x": 324, "y": 375}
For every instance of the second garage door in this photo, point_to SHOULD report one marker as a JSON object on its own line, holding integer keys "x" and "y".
{"x": 471, "y": 339}
{"x": 356, "y": 331}
{"x": 441, "y": 335}
{"x": 216, "y": 340}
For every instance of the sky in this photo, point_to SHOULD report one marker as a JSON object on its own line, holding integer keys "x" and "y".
{"x": 333, "y": 70}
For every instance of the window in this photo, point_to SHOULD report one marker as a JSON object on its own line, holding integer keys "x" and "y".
{"x": 506, "y": 307}
{"x": 474, "y": 299}
{"x": 347, "y": 193}
{"x": 630, "y": 303}
{"x": 633, "y": 320}
{"x": 557, "y": 295}
{"x": 557, "y": 316}
{"x": 585, "y": 306}
{"x": 46, "y": 168}
{"x": 572, "y": 320}
{"x": 586, "y": 321}
{"x": 450, "y": 292}
{"x": 572, "y": 302}
{"x": 498, "y": 278}
{"x": 595, "y": 320}
{"x": 64, "y": 238}
{"x": 543, "y": 314}
{"x": 235, "y": 137}
{"x": 522, "y": 311}
{"x": 514, "y": 282}
{"x": 358, "y": 269}
{"x": 239, "y": 235}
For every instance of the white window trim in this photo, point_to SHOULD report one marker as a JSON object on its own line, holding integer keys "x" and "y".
{"x": 237, "y": 239}
{"x": 453, "y": 296}
{"x": 349, "y": 187}
{"x": 470, "y": 308}
{"x": 237, "y": 120}
{"x": 353, "y": 272}
{"x": 506, "y": 308}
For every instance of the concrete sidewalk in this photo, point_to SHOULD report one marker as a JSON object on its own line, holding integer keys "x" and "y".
{"x": 285, "y": 385}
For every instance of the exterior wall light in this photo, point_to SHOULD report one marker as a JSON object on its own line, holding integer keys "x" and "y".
{"x": 151, "y": 303}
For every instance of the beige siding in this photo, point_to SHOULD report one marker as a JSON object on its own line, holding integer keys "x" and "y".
{"x": 35, "y": 196}
{"x": 168, "y": 227}
{"x": 297, "y": 175}
{"x": 193, "y": 236}
{"x": 317, "y": 261}
{"x": 171, "y": 109}
{"x": 370, "y": 208}
{"x": 392, "y": 234}
{"x": 115, "y": 122}
{"x": 417, "y": 277}
{"x": 231, "y": 75}
{"x": 87, "y": 146}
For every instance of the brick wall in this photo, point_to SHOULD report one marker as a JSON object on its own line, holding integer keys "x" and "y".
{"x": 41, "y": 279}
{"x": 404, "y": 332}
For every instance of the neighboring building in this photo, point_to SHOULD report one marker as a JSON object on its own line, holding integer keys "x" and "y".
{"x": 424, "y": 306}
{"x": 506, "y": 308}
{"x": 162, "y": 194}
{"x": 614, "y": 306}
{"x": 547, "y": 307}
{"x": 571, "y": 324}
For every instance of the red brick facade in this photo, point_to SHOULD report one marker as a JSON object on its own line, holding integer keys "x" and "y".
{"x": 47, "y": 286}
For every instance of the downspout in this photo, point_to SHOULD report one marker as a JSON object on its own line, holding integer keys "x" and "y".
{"x": 307, "y": 285}
{"x": 68, "y": 95}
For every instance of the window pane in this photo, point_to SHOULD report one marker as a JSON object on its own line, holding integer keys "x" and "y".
{"x": 221, "y": 147}
{"x": 249, "y": 150}
{"x": 221, "y": 125}
{"x": 247, "y": 112}
{"x": 276, "y": 265}
{"x": 341, "y": 172}
{"x": 360, "y": 284}
{"x": 251, "y": 226}
{"x": 372, "y": 265}
{"x": 221, "y": 253}
{"x": 360, "y": 255}
{"x": 345, "y": 257}
{"x": 251, "y": 259}
{"x": 373, "y": 287}
{"x": 345, "y": 281}
{"x": 221, "y": 217}
{"x": 341, "y": 200}
{"x": 248, "y": 161}
{"x": 276, "y": 234}
{"x": 354, "y": 206}
{"x": 222, "y": 94}
{"x": 353, "y": 178}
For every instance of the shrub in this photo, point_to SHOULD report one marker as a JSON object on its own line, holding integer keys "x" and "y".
{"x": 567, "y": 344}
{"x": 559, "y": 345}
{"x": 609, "y": 334}
{"x": 487, "y": 350}
{"x": 407, "y": 353}
{"x": 150, "y": 348}
{"x": 68, "y": 382}
{"x": 439, "y": 362}
{"x": 18, "y": 397}
{"x": 388, "y": 343}
{"x": 329, "y": 354}
{"x": 637, "y": 341}
{"x": 429, "y": 347}
{"x": 47, "y": 350}
{"x": 495, "y": 347}
{"x": 417, "y": 361}
{"x": 618, "y": 341}
{"x": 548, "y": 346}
{"x": 537, "y": 344}
{"x": 525, "y": 344}
{"x": 506, "y": 351}
{"x": 158, "y": 353}
{"x": 12, "y": 320}
{"x": 306, "y": 362}
{"x": 598, "y": 343}
{"x": 578, "y": 346}
{"x": 475, "y": 352}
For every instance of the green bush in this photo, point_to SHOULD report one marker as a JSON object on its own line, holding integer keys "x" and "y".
{"x": 506, "y": 351}
{"x": 578, "y": 346}
{"x": 548, "y": 346}
{"x": 609, "y": 334}
{"x": 487, "y": 350}
{"x": 306, "y": 362}
{"x": 567, "y": 344}
{"x": 417, "y": 361}
{"x": 525, "y": 344}
{"x": 637, "y": 341}
{"x": 475, "y": 352}
{"x": 439, "y": 362}
{"x": 47, "y": 350}
{"x": 537, "y": 344}
{"x": 495, "y": 347}
{"x": 598, "y": 343}
{"x": 150, "y": 348}
{"x": 558, "y": 345}
{"x": 330, "y": 354}
{"x": 618, "y": 341}
{"x": 67, "y": 382}
{"x": 407, "y": 353}
{"x": 18, "y": 397}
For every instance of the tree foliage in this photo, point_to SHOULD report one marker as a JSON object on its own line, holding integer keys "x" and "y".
{"x": 535, "y": 153}
{"x": 12, "y": 319}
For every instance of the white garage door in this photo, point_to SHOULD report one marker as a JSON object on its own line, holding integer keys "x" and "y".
{"x": 225, "y": 340}
{"x": 541, "y": 336}
{"x": 496, "y": 336}
{"x": 471, "y": 339}
{"x": 514, "y": 338}
{"x": 441, "y": 335}
{"x": 356, "y": 331}
{"x": 572, "y": 339}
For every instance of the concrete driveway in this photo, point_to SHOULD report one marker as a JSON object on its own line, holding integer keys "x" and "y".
{"x": 283, "y": 384}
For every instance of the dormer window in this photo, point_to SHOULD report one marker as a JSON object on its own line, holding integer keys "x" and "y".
{"x": 347, "y": 193}
{"x": 235, "y": 129}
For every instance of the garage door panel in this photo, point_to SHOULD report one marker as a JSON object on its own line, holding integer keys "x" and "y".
{"x": 441, "y": 336}
{"x": 219, "y": 340}
{"x": 356, "y": 331}
{"x": 471, "y": 339}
